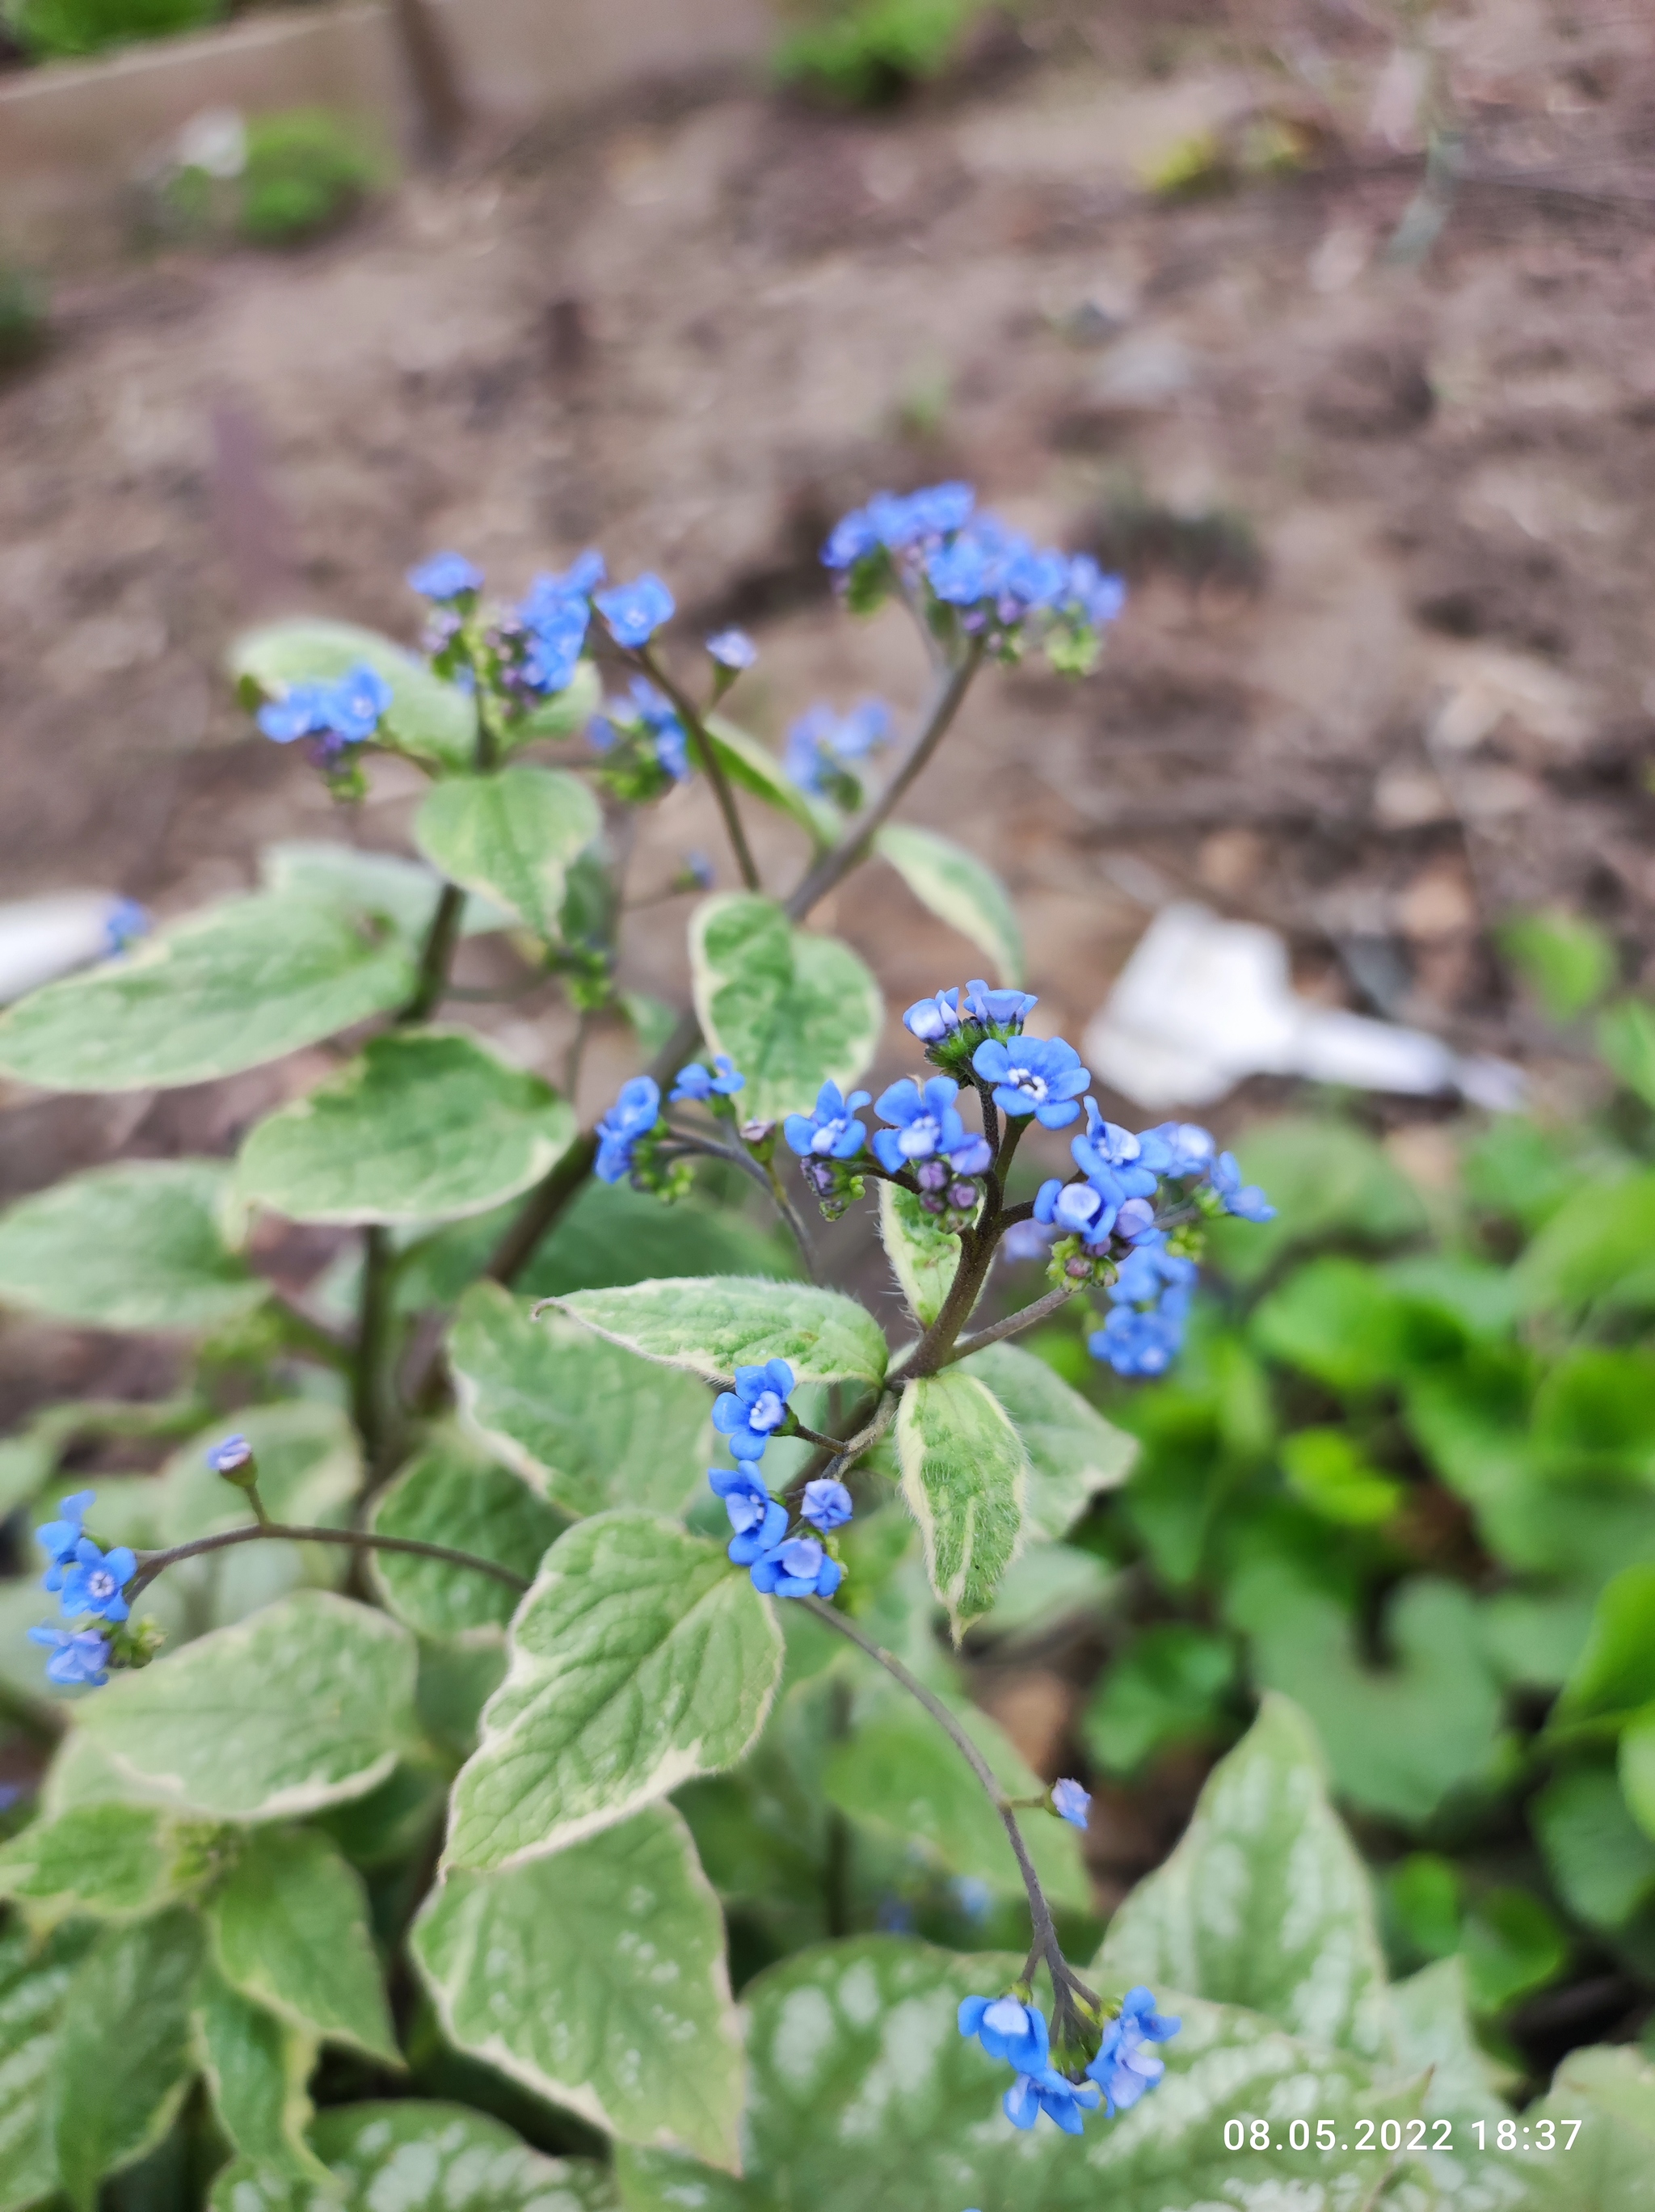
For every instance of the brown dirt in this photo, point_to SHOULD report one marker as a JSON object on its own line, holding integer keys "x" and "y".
{"x": 1411, "y": 688}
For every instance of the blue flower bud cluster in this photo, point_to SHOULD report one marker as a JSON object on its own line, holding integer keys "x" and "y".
{"x": 783, "y": 1562}
{"x": 823, "y": 748}
{"x": 634, "y": 1135}
{"x": 649, "y": 743}
{"x": 334, "y": 716}
{"x": 90, "y": 1586}
{"x": 964, "y": 567}
{"x": 1122, "y": 2069}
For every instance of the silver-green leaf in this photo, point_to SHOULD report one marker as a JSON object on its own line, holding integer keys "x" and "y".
{"x": 964, "y": 1476}
{"x": 640, "y": 1659}
{"x": 290, "y": 1929}
{"x": 960, "y": 889}
{"x": 1264, "y": 1903}
{"x": 430, "y": 720}
{"x": 596, "y": 1977}
{"x": 753, "y": 767}
{"x": 790, "y": 1008}
{"x": 416, "y": 2157}
{"x": 509, "y": 835}
{"x": 138, "y": 1245}
{"x": 711, "y": 1324}
{"x": 404, "y": 892}
{"x": 229, "y": 988}
{"x": 111, "y": 1860}
{"x": 584, "y": 1423}
{"x": 1073, "y": 1452}
{"x": 305, "y": 1704}
{"x": 424, "y": 1125}
{"x": 449, "y": 1493}
{"x": 34, "y": 1984}
{"x": 923, "y": 1257}
{"x": 257, "y": 2067}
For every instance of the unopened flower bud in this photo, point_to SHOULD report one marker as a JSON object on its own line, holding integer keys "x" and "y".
{"x": 235, "y": 1461}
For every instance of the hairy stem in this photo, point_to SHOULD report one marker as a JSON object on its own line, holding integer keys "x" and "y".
{"x": 953, "y": 684}
{"x": 707, "y": 758}
{"x": 1013, "y": 1324}
{"x": 151, "y": 1564}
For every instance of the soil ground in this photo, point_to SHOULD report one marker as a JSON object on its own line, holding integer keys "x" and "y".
{"x": 1387, "y": 672}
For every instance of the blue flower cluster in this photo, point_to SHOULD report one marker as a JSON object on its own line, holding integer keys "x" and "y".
{"x": 632, "y": 1118}
{"x": 1012, "y": 2031}
{"x": 336, "y": 715}
{"x": 823, "y": 747}
{"x": 783, "y": 1562}
{"x": 650, "y": 722}
{"x": 994, "y": 582}
{"x": 699, "y": 1086}
{"x": 90, "y": 1586}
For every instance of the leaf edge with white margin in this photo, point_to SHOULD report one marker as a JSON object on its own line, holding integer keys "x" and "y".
{"x": 567, "y": 1305}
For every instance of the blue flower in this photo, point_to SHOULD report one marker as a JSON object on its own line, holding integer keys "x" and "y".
{"x": 79, "y": 1655}
{"x": 300, "y": 712}
{"x": 1024, "y": 1240}
{"x": 1247, "y": 1201}
{"x": 959, "y": 573}
{"x": 1076, "y": 1209}
{"x": 632, "y": 1115}
{"x": 94, "y": 1582}
{"x": 1047, "y": 2092}
{"x": 1008, "y": 2030}
{"x": 356, "y": 703}
{"x": 975, "y": 1157}
{"x": 59, "y": 1539}
{"x": 124, "y": 923}
{"x": 230, "y": 1457}
{"x": 896, "y": 524}
{"x": 759, "y": 1520}
{"x": 1041, "y": 1076}
{"x": 552, "y": 593}
{"x": 695, "y": 1082}
{"x": 636, "y": 610}
{"x": 553, "y": 645}
{"x": 932, "y": 1019}
{"x": 827, "y": 1504}
{"x": 1148, "y": 1273}
{"x": 733, "y": 649}
{"x": 1071, "y": 1802}
{"x": 660, "y": 718}
{"x": 923, "y": 1121}
{"x": 798, "y": 1568}
{"x": 1139, "y": 1344}
{"x": 1188, "y": 1148}
{"x": 828, "y": 1126}
{"x": 445, "y": 576}
{"x": 755, "y": 1408}
{"x": 821, "y": 743}
{"x": 1123, "y": 2069}
{"x": 1113, "y": 1155}
{"x": 1089, "y": 595}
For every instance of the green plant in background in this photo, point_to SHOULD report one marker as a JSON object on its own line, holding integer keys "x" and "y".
{"x": 55, "y": 28}
{"x": 307, "y": 171}
{"x": 867, "y": 51}
{"x": 24, "y": 327}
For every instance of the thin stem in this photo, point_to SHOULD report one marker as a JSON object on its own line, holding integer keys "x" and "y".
{"x": 831, "y": 1457}
{"x": 151, "y": 1564}
{"x": 367, "y": 1380}
{"x": 713, "y": 768}
{"x": 1013, "y": 1324}
{"x": 835, "y": 865}
{"x": 435, "y": 954}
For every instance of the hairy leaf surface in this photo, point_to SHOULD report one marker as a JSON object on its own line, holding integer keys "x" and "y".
{"x": 790, "y": 1008}
{"x": 964, "y": 1476}
{"x": 711, "y": 1324}
{"x": 509, "y": 835}
{"x": 290, "y": 1929}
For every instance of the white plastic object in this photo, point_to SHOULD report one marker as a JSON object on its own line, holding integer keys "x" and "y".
{"x": 44, "y": 938}
{"x": 1203, "y": 1003}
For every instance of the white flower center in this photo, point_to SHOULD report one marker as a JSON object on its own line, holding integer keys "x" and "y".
{"x": 101, "y": 1583}
{"x": 767, "y": 1410}
{"x": 1025, "y": 1079}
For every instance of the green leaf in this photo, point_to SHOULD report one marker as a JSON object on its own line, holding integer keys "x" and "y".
{"x": 1512, "y": 1944}
{"x": 965, "y": 1477}
{"x": 257, "y": 2067}
{"x": 864, "y": 2093}
{"x": 428, "y": 719}
{"x": 1401, "y": 1737}
{"x": 231, "y": 988}
{"x": 1336, "y": 1319}
{"x": 1432, "y": 2026}
{"x": 897, "y": 1770}
{"x": 1566, "y": 961}
{"x": 1626, "y": 1041}
{"x": 125, "y": 2052}
{"x": 1167, "y": 1686}
{"x": 423, "y": 1125}
{"x": 1637, "y": 1768}
{"x": 584, "y": 1423}
{"x": 711, "y": 1324}
{"x": 1602, "y": 1236}
{"x": 112, "y": 1860}
{"x": 139, "y": 1245}
{"x": 1073, "y": 1452}
{"x": 1325, "y": 1468}
{"x": 791, "y": 1009}
{"x": 290, "y": 1927}
{"x": 1325, "y": 1179}
{"x": 511, "y": 836}
{"x": 1610, "y": 2164}
{"x": 35, "y": 1982}
{"x": 1614, "y": 1676}
{"x": 404, "y": 892}
{"x": 303, "y": 1706}
{"x": 450, "y": 1494}
{"x": 639, "y": 1660}
{"x": 1601, "y": 1862}
{"x": 923, "y": 1257}
{"x": 960, "y": 889}
{"x": 418, "y": 2157}
{"x": 596, "y": 1977}
{"x": 1264, "y": 1903}
{"x": 753, "y": 767}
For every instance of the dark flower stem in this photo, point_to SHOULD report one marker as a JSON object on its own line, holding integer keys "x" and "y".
{"x": 369, "y": 1409}
{"x": 436, "y": 955}
{"x": 1013, "y": 1324}
{"x": 707, "y": 759}
{"x": 151, "y": 1564}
